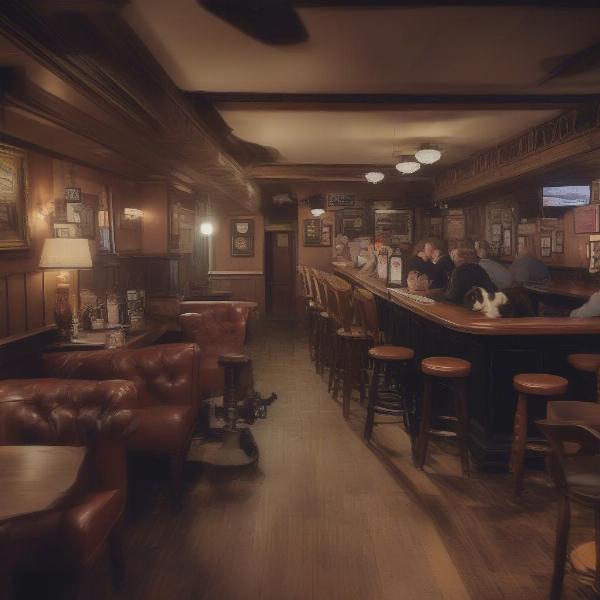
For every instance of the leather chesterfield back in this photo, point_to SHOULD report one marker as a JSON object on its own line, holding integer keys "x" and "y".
{"x": 217, "y": 329}
{"x": 72, "y": 413}
{"x": 164, "y": 374}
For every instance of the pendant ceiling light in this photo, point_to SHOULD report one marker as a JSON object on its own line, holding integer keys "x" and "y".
{"x": 374, "y": 176}
{"x": 408, "y": 165}
{"x": 428, "y": 154}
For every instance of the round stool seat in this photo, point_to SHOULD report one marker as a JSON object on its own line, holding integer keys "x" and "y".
{"x": 445, "y": 366}
{"x": 353, "y": 333}
{"x": 540, "y": 384}
{"x": 391, "y": 353}
{"x": 585, "y": 362}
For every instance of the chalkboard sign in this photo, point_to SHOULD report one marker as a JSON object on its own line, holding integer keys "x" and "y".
{"x": 340, "y": 200}
{"x": 316, "y": 233}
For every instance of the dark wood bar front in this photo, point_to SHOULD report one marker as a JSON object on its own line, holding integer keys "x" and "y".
{"x": 497, "y": 348}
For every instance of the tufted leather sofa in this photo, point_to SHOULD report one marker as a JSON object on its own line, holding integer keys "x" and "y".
{"x": 71, "y": 413}
{"x": 166, "y": 378}
{"x": 217, "y": 328}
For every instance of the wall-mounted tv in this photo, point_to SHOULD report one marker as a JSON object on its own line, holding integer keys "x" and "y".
{"x": 566, "y": 195}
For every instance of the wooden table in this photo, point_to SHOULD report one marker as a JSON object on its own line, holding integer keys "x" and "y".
{"x": 96, "y": 340}
{"x": 35, "y": 479}
{"x": 498, "y": 349}
{"x": 579, "y": 290}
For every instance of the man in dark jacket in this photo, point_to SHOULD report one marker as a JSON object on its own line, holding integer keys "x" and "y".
{"x": 436, "y": 251}
{"x": 419, "y": 263}
{"x": 467, "y": 274}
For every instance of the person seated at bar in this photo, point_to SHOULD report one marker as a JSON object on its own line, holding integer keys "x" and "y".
{"x": 499, "y": 274}
{"x": 437, "y": 252}
{"x": 467, "y": 274}
{"x": 528, "y": 268}
{"x": 590, "y": 309}
{"x": 419, "y": 263}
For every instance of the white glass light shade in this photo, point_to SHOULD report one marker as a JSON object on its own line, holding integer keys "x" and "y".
{"x": 66, "y": 253}
{"x": 374, "y": 176}
{"x": 317, "y": 212}
{"x": 428, "y": 155}
{"x": 206, "y": 228}
{"x": 407, "y": 165}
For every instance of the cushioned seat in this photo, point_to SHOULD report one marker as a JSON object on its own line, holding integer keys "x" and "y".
{"x": 572, "y": 411}
{"x": 585, "y": 362}
{"x": 166, "y": 424}
{"x": 445, "y": 366}
{"x": 391, "y": 353}
{"x": 540, "y": 384}
{"x": 353, "y": 332}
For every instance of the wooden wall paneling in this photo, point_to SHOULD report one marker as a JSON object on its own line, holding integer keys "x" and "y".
{"x": 34, "y": 289}
{"x": 3, "y": 307}
{"x": 17, "y": 304}
{"x": 49, "y": 295}
{"x": 245, "y": 286}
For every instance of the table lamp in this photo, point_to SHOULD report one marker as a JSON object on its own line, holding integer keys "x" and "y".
{"x": 63, "y": 254}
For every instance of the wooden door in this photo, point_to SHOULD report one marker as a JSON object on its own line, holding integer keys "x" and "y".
{"x": 280, "y": 263}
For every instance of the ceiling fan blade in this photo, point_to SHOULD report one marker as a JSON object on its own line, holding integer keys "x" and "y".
{"x": 272, "y": 22}
{"x": 580, "y": 62}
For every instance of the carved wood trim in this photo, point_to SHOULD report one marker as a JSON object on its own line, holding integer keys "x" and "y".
{"x": 570, "y": 134}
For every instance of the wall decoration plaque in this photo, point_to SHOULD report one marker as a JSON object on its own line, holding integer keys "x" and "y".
{"x": 317, "y": 233}
{"x": 339, "y": 200}
{"x": 13, "y": 199}
{"x": 242, "y": 237}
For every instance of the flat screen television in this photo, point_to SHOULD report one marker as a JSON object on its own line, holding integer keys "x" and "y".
{"x": 566, "y": 195}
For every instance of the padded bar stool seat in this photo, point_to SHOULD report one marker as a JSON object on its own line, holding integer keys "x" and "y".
{"x": 590, "y": 363}
{"x": 529, "y": 384}
{"x": 385, "y": 359}
{"x": 445, "y": 366}
{"x": 391, "y": 353}
{"x": 456, "y": 370}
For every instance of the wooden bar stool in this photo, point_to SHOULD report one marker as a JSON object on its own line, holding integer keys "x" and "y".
{"x": 316, "y": 307}
{"x": 529, "y": 385}
{"x": 352, "y": 342}
{"x": 325, "y": 323}
{"x": 587, "y": 365}
{"x": 387, "y": 360}
{"x": 456, "y": 370}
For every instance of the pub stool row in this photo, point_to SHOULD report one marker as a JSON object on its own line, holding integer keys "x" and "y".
{"x": 346, "y": 348}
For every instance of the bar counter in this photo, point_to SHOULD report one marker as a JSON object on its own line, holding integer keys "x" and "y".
{"x": 497, "y": 348}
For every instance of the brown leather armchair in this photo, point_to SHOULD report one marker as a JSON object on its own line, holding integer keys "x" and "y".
{"x": 217, "y": 328}
{"x": 71, "y": 413}
{"x": 167, "y": 381}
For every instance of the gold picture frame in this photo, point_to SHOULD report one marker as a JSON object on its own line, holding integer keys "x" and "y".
{"x": 14, "y": 233}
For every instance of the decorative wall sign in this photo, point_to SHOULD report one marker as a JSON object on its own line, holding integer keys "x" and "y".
{"x": 352, "y": 222}
{"x": 594, "y": 252}
{"x": 587, "y": 219}
{"x": 558, "y": 241}
{"x": 545, "y": 245}
{"x": 72, "y": 194}
{"x": 242, "y": 237}
{"x": 317, "y": 233}
{"x": 334, "y": 201}
{"x": 13, "y": 199}
{"x": 455, "y": 227}
{"x": 394, "y": 227}
{"x": 507, "y": 242}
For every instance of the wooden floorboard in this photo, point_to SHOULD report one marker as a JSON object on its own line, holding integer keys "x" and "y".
{"x": 324, "y": 516}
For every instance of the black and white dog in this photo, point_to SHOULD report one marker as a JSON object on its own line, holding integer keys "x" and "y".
{"x": 510, "y": 302}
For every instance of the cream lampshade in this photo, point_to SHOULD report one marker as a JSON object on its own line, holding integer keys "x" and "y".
{"x": 63, "y": 254}
{"x": 66, "y": 253}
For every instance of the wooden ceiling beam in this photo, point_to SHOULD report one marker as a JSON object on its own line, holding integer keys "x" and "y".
{"x": 335, "y": 173}
{"x": 401, "y": 102}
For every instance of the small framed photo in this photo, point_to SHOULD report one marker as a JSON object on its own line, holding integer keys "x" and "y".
{"x": 558, "y": 241}
{"x": 242, "y": 237}
{"x": 594, "y": 266}
{"x": 546, "y": 246}
{"x": 507, "y": 242}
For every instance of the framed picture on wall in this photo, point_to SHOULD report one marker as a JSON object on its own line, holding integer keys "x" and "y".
{"x": 242, "y": 237}
{"x": 13, "y": 199}
{"x": 558, "y": 241}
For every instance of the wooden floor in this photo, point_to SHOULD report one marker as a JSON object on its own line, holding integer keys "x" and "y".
{"x": 324, "y": 516}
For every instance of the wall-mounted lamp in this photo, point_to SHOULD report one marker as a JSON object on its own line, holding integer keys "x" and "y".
{"x": 133, "y": 213}
{"x": 206, "y": 228}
